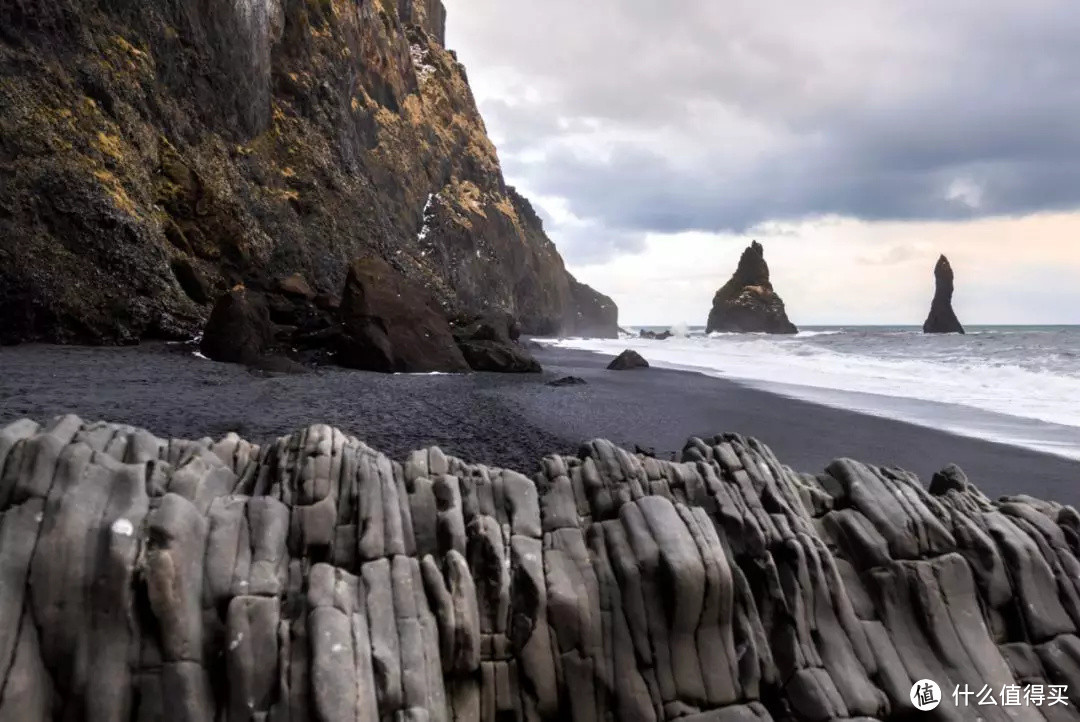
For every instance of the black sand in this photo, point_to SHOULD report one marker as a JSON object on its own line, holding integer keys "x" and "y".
{"x": 508, "y": 421}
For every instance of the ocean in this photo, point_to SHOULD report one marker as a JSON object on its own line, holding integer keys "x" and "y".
{"x": 1013, "y": 384}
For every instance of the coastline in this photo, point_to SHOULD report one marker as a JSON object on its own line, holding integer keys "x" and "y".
{"x": 504, "y": 420}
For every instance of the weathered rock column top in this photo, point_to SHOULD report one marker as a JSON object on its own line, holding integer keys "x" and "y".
{"x": 316, "y": 579}
{"x": 748, "y": 303}
{"x": 942, "y": 318}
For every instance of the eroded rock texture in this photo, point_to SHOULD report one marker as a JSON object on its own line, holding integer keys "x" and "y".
{"x": 316, "y": 579}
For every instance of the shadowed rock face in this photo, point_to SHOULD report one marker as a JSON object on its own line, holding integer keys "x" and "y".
{"x": 748, "y": 303}
{"x": 155, "y": 154}
{"x": 390, "y": 326}
{"x": 316, "y": 579}
{"x": 942, "y": 318}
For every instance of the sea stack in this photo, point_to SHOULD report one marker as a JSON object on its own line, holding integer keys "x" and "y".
{"x": 942, "y": 318}
{"x": 747, "y": 303}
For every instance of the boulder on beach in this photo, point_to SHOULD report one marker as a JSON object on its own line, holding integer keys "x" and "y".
{"x": 568, "y": 381}
{"x": 495, "y": 325}
{"x": 628, "y": 359}
{"x": 491, "y": 342}
{"x": 240, "y": 329}
{"x": 498, "y": 357}
{"x": 390, "y": 325}
{"x": 314, "y": 578}
{"x": 747, "y": 303}
{"x": 942, "y": 318}
{"x": 656, "y": 335}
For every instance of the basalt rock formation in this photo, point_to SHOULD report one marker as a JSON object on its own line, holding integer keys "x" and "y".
{"x": 389, "y": 325}
{"x": 627, "y": 360}
{"x": 942, "y": 318}
{"x": 748, "y": 303}
{"x": 155, "y": 155}
{"x": 491, "y": 342}
{"x": 316, "y": 579}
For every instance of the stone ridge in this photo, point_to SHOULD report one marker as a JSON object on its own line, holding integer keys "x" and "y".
{"x": 316, "y": 579}
{"x": 155, "y": 155}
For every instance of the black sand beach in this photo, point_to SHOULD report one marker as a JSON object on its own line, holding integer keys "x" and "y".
{"x": 502, "y": 420}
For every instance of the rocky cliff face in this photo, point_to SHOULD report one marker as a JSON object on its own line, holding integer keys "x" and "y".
{"x": 942, "y": 318}
{"x": 155, "y": 154}
{"x": 316, "y": 579}
{"x": 748, "y": 303}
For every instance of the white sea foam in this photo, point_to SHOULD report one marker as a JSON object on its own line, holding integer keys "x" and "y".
{"x": 1023, "y": 375}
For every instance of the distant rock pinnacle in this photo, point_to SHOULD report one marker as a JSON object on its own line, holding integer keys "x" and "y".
{"x": 942, "y": 318}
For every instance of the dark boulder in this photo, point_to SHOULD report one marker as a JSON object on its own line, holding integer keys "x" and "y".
{"x": 656, "y": 335}
{"x": 499, "y": 357}
{"x": 951, "y": 478}
{"x": 747, "y": 303}
{"x": 568, "y": 381}
{"x": 490, "y": 342}
{"x": 942, "y": 318}
{"x": 389, "y": 324}
{"x": 297, "y": 286}
{"x": 628, "y": 359}
{"x": 239, "y": 329}
{"x": 490, "y": 326}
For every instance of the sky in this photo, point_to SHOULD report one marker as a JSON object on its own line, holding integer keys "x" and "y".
{"x": 857, "y": 141}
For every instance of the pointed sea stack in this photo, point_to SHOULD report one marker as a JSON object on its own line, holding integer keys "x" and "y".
{"x": 747, "y": 303}
{"x": 942, "y": 318}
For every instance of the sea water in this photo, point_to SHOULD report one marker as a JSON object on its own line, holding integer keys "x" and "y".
{"x": 1014, "y": 384}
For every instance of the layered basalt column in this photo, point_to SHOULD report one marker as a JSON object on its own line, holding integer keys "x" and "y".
{"x": 316, "y": 579}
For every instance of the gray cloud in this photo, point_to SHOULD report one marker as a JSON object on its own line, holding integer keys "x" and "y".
{"x": 699, "y": 115}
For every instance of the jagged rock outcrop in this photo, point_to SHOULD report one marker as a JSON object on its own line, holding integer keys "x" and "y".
{"x": 628, "y": 359}
{"x": 316, "y": 579}
{"x": 390, "y": 326}
{"x": 492, "y": 342}
{"x": 942, "y": 318}
{"x": 154, "y": 155}
{"x": 747, "y": 303}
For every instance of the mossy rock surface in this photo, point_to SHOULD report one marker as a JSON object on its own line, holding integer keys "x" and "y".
{"x": 140, "y": 138}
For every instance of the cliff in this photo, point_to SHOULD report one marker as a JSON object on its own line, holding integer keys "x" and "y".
{"x": 316, "y": 579}
{"x": 154, "y": 155}
{"x": 942, "y": 317}
{"x": 748, "y": 302}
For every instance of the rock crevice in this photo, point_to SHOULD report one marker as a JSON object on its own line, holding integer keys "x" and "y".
{"x": 316, "y": 579}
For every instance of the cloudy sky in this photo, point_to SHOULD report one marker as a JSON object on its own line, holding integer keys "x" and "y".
{"x": 855, "y": 140}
